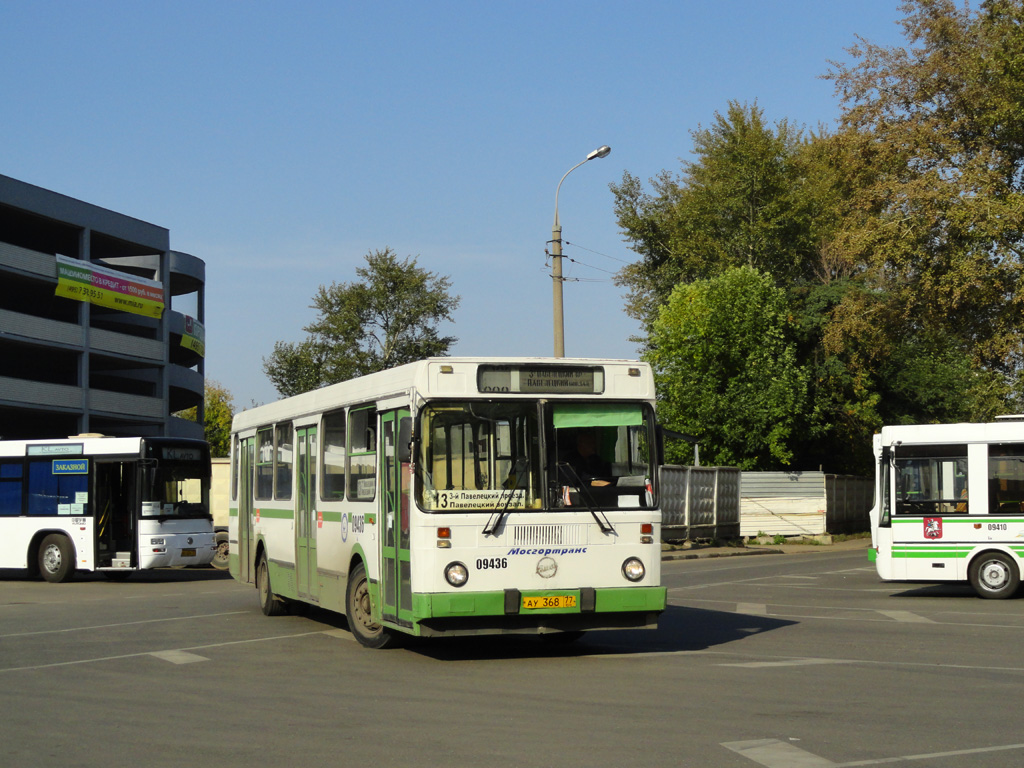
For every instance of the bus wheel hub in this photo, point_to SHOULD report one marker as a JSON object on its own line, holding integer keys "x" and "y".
{"x": 994, "y": 574}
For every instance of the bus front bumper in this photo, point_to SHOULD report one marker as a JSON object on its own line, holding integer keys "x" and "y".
{"x": 538, "y": 612}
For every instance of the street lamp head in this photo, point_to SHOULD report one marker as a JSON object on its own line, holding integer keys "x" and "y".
{"x": 599, "y": 152}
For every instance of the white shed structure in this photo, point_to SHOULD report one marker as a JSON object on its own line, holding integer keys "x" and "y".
{"x": 803, "y": 503}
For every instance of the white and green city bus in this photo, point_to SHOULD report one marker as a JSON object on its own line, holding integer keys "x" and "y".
{"x": 949, "y": 504}
{"x": 456, "y": 496}
{"x": 109, "y": 504}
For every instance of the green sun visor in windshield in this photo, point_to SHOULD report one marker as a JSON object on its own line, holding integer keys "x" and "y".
{"x": 566, "y": 415}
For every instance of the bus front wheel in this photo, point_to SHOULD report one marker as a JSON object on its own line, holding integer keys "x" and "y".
{"x": 56, "y": 558}
{"x": 270, "y": 604}
{"x": 994, "y": 575}
{"x": 359, "y": 612}
{"x": 220, "y": 558}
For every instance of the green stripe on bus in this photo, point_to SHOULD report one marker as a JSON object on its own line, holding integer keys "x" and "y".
{"x": 425, "y": 606}
{"x": 929, "y": 553}
{"x": 960, "y": 519}
{"x": 632, "y": 599}
{"x": 612, "y": 600}
{"x": 275, "y": 514}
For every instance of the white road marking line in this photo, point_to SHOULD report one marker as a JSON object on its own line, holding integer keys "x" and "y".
{"x": 933, "y": 755}
{"x": 341, "y": 634}
{"x": 773, "y": 753}
{"x": 178, "y": 657}
{"x": 907, "y": 616}
{"x": 757, "y": 609}
{"x": 789, "y": 611}
{"x": 786, "y": 663}
{"x": 122, "y": 624}
{"x": 781, "y": 661}
{"x": 150, "y": 653}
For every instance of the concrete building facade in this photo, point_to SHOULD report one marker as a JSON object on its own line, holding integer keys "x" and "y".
{"x": 101, "y": 323}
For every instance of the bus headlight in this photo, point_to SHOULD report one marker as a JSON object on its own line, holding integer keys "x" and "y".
{"x": 633, "y": 569}
{"x": 456, "y": 574}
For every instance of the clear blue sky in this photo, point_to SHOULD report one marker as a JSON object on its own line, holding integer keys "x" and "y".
{"x": 281, "y": 142}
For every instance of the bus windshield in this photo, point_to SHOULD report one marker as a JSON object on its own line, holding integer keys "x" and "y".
{"x": 175, "y": 489}
{"x": 479, "y": 456}
{"x": 522, "y": 455}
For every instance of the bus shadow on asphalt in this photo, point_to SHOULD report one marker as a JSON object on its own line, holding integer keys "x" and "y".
{"x": 679, "y": 630}
{"x": 947, "y": 590}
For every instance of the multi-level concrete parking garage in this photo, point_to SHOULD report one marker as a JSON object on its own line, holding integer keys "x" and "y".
{"x": 100, "y": 321}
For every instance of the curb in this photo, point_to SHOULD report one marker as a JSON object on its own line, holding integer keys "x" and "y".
{"x": 718, "y": 553}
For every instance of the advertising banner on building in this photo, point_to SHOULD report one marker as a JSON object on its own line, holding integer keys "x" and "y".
{"x": 83, "y": 281}
{"x": 194, "y": 337}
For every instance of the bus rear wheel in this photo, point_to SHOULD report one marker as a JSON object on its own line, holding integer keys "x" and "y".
{"x": 56, "y": 558}
{"x": 994, "y": 575}
{"x": 359, "y": 612}
{"x": 270, "y": 604}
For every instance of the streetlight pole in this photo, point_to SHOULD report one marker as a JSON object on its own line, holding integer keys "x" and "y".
{"x": 556, "y": 257}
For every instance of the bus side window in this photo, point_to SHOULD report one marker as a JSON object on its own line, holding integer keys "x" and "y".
{"x": 283, "y": 461}
{"x": 48, "y": 491}
{"x": 885, "y": 499}
{"x": 264, "y": 463}
{"x": 234, "y": 468}
{"x": 1006, "y": 479}
{"x": 10, "y": 488}
{"x": 932, "y": 481}
{"x": 332, "y": 448}
{"x": 362, "y": 454}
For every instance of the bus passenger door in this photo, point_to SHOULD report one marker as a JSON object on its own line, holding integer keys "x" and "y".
{"x": 246, "y": 569}
{"x": 116, "y": 499}
{"x": 396, "y": 573}
{"x": 306, "y": 519}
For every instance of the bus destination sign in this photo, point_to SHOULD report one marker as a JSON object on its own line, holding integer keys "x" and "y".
{"x": 178, "y": 453}
{"x": 60, "y": 449}
{"x": 537, "y": 380}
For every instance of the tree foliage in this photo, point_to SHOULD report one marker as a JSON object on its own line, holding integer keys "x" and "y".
{"x": 934, "y": 135}
{"x": 747, "y": 199}
{"x": 726, "y": 369}
{"x": 389, "y": 317}
{"x": 219, "y": 409}
{"x": 897, "y": 239}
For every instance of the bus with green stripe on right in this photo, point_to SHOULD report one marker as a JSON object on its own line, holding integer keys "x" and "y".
{"x": 949, "y": 504}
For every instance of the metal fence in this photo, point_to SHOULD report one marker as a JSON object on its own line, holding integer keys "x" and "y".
{"x": 699, "y": 502}
{"x": 724, "y": 503}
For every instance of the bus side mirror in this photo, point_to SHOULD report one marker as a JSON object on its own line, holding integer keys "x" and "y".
{"x": 405, "y": 440}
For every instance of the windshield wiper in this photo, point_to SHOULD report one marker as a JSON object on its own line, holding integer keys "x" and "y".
{"x": 588, "y": 501}
{"x": 517, "y": 472}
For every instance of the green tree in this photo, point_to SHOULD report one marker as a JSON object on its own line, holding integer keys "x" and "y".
{"x": 747, "y": 199}
{"x": 296, "y": 367}
{"x": 219, "y": 409}
{"x": 727, "y": 372}
{"x": 387, "y": 318}
{"x": 898, "y": 239}
{"x": 763, "y": 197}
{"x": 933, "y": 134}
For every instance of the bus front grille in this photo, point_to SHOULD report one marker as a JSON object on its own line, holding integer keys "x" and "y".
{"x": 548, "y": 535}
